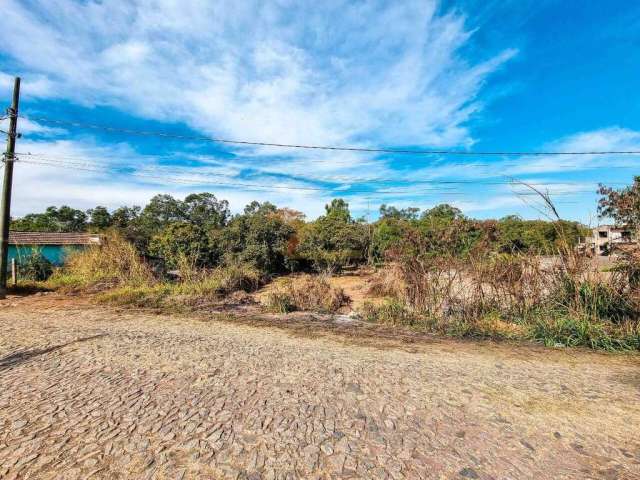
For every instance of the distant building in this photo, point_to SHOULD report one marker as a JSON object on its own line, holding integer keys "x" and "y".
{"x": 53, "y": 246}
{"x": 605, "y": 238}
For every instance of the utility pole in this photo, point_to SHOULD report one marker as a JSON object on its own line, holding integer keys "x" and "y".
{"x": 5, "y": 201}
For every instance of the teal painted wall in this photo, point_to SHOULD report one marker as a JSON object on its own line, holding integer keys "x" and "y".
{"x": 54, "y": 253}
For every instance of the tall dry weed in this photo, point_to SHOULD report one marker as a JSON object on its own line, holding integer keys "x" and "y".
{"x": 115, "y": 262}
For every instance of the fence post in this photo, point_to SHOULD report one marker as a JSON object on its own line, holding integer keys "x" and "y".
{"x": 14, "y": 272}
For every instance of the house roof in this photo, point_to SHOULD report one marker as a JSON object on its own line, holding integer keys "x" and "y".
{"x": 52, "y": 238}
{"x": 616, "y": 228}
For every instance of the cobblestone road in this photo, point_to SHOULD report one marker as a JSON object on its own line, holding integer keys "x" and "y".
{"x": 93, "y": 393}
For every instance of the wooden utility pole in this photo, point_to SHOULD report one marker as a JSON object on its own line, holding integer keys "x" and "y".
{"x": 5, "y": 201}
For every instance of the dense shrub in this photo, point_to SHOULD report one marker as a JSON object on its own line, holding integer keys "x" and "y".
{"x": 482, "y": 293}
{"x": 334, "y": 240}
{"x": 35, "y": 267}
{"x": 260, "y": 237}
{"x": 181, "y": 240}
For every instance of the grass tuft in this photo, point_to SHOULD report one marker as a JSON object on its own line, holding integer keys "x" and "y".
{"x": 306, "y": 293}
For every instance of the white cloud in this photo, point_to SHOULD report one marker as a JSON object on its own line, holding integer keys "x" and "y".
{"x": 36, "y": 86}
{"x": 82, "y": 175}
{"x": 602, "y": 140}
{"x": 334, "y": 72}
{"x": 26, "y": 126}
{"x": 321, "y": 72}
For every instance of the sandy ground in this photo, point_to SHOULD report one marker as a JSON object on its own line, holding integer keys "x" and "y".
{"x": 92, "y": 392}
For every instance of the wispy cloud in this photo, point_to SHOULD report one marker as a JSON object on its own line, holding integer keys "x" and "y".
{"x": 602, "y": 140}
{"x": 323, "y": 72}
{"x": 334, "y": 73}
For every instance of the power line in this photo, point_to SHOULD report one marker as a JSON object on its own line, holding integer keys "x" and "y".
{"x": 262, "y": 187}
{"x": 319, "y": 147}
{"x": 334, "y": 179}
{"x": 292, "y": 161}
{"x": 233, "y": 184}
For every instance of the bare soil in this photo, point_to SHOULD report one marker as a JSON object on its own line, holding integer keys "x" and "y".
{"x": 95, "y": 392}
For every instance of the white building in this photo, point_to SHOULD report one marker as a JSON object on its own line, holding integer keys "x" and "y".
{"x": 605, "y": 238}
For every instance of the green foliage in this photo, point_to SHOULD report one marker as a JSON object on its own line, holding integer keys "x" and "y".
{"x": 517, "y": 235}
{"x": 391, "y": 312}
{"x": 391, "y": 212}
{"x": 35, "y": 267}
{"x": 201, "y": 229}
{"x": 591, "y": 299}
{"x": 334, "y": 240}
{"x": 184, "y": 240}
{"x": 63, "y": 219}
{"x": 572, "y": 331}
{"x": 99, "y": 218}
{"x": 443, "y": 214}
{"x": 205, "y": 210}
{"x": 258, "y": 237}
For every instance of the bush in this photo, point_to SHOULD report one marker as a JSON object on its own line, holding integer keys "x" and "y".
{"x": 391, "y": 312}
{"x": 199, "y": 289}
{"x": 334, "y": 240}
{"x": 573, "y": 332}
{"x": 260, "y": 237}
{"x": 596, "y": 299}
{"x": 307, "y": 293}
{"x": 222, "y": 280}
{"x": 35, "y": 267}
{"x": 482, "y": 294}
{"x": 115, "y": 262}
{"x": 178, "y": 241}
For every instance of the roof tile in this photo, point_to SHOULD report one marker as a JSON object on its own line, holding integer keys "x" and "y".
{"x": 52, "y": 238}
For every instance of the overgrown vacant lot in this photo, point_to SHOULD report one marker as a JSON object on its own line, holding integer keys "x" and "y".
{"x": 92, "y": 392}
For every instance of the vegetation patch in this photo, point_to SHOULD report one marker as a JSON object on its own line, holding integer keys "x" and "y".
{"x": 207, "y": 288}
{"x": 306, "y": 293}
{"x": 438, "y": 270}
{"x": 114, "y": 263}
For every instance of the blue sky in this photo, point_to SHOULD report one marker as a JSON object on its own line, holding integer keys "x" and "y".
{"x": 462, "y": 75}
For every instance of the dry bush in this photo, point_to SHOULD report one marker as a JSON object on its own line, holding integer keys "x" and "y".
{"x": 114, "y": 262}
{"x": 563, "y": 299}
{"x": 385, "y": 283}
{"x": 514, "y": 284}
{"x": 221, "y": 280}
{"x": 198, "y": 289}
{"x": 307, "y": 293}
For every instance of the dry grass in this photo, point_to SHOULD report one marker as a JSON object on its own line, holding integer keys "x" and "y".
{"x": 114, "y": 263}
{"x": 484, "y": 294}
{"x": 206, "y": 287}
{"x": 306, "y": 293}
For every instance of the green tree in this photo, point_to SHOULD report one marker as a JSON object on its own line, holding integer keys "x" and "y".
{"x": 260, "y": 236}
{"x": 182, "y": 240}
{"x": 53, "y": 219}
{"x": 99, "y": 218}
{"x": 161, "y": 211}
{"x": 446, "y": 229}
{"x": 389, "y": 211}
{"x": 334, "y": 240}
{"x": 205, "y": 210}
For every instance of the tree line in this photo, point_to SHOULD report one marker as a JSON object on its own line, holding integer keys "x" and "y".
{"x": 202, "y": 229}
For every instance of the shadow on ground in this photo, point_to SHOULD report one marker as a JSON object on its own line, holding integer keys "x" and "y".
{"x": 25, "y": 355}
